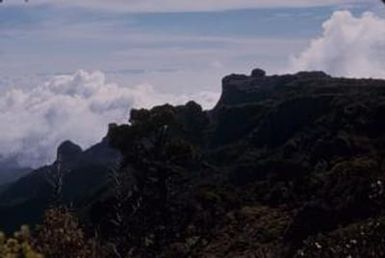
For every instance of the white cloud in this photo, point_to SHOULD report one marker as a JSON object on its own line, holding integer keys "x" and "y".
{"x": 184, "y": 5}
{"x": 76, "y": 107}
{"x": 350, "y": 46}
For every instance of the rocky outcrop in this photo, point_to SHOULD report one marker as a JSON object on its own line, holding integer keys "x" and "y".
{"x": 242, "y": 89}
{"x": 68, "y": 152}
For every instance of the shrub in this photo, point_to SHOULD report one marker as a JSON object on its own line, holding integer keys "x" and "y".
{"x": 61, "y": 236}
{"x": 18, "y": 246}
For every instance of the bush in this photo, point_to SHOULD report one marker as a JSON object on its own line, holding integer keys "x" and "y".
{"x": 61, "y": 236}
{"x": 18, "y": 246}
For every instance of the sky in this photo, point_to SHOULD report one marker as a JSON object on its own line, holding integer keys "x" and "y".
{"x": 69, "y": 67}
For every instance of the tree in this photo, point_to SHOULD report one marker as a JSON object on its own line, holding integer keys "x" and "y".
{"x": 61, "y": 236}
{"x": 154, "y": 153}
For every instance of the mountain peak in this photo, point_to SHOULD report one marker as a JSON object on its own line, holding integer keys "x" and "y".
{"x": 68, "y": 151}
{"x": 258, "y": 73}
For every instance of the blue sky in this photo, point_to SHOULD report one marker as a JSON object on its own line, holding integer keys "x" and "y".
{"x": 44, "y": 37}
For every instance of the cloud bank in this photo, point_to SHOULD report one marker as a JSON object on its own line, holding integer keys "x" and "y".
{"x": 183, "y": 5}
{"x": 350, "y": 46}
{"x": 76, "y": 107}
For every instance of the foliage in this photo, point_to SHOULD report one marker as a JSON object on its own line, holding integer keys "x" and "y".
{"x": 364, "y": 239}
{"x": 61, "y": 236}
{"x": 153, "y": 156}
{"x": 18, "y": 246}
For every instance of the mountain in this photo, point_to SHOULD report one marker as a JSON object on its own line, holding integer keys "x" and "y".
{"x": 283, "y": 166}
{"x": 84, "y": 174}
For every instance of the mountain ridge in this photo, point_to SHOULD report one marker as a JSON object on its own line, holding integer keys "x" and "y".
{"x": 281, "y": 162}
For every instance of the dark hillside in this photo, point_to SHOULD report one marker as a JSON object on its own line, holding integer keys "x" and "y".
{"x": 84, "y": 174}
{"x": 278, "y": 161}
{"x": 283, "y": 166}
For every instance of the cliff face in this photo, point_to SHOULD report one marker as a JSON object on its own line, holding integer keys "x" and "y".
{"x": 243, "y": 89}
{"x": 275, "y": 107}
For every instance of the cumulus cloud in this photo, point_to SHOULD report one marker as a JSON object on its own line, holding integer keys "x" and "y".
{"x": 350, "y": 46}
{"x": 76, "y": 107}
{"x": 178, "y": 5}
